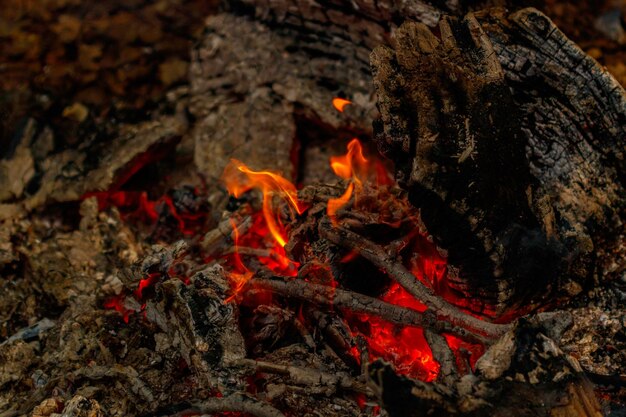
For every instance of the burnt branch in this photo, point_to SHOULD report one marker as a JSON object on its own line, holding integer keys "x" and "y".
{"x": 359, "y": 303}
{"x": 309, "y": 377}
{"x": 233, "y": 403}
{"x": 379, "y": 257}
{"x": 442, "y": 353}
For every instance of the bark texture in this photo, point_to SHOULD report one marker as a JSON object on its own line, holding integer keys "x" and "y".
{"x": 510, "y": 141}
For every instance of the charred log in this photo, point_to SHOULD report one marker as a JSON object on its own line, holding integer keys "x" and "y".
{"x": 518, "y": 202}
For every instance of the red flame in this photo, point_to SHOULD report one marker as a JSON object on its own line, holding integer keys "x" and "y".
{"x": 352, "y": 166}
{"x": 267, "y": 231}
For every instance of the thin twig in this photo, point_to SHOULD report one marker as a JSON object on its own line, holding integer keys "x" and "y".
{"x": 304, "y": 332}
{"x": 308, "y": 376}
{"x": 247, "y": 251}
{"x": 377, "y": 255}
{"x": 224, "y": 231}
{"x": 359, "y": 303}
{"x": 233, "y": 403}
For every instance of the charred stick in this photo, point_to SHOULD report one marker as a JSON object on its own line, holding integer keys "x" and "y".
{"x": 304, "y": 332}
{"x": 308, "y": 377}
{"x": 244, "y": 250}
{"x": 365, "y": 355}
{"x": 338, "y": 339}
{"x": 224, "y": 231}
{"x": 377, "y": 255}
{"x": 359, "y": 303}
{"x": 442, "y": 353}
{"x": 128, "y": 373}
{"x": 233, "y": 403}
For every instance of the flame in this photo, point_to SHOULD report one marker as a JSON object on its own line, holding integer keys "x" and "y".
{"x": 241, "y": 274}
{"x": 240, "y": 179}
{"x": 352, "y": 166}
{"x": 267, "y": 231}
{"x": 340, "y": 103}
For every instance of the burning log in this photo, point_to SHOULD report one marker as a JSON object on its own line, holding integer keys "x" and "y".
{"x": 378, "y": 257}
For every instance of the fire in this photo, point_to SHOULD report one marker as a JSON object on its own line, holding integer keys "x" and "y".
{"x": 241, "y": 274}
{"x": 357, "y": 169}
{"x": 240, "y": 179}
{"x": 340, "y": 103}
{"x": 267, "y": 232}
{"x": 405, "y": 347}
{"x": 352, "y": 166}
{"x": 137, "y": 205}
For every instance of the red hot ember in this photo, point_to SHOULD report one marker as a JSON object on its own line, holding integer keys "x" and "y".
{"x": 405, "y": 347}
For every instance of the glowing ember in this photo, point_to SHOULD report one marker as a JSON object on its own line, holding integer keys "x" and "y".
{"x": 340, "y": 103}
{"x": 137, "y": 205}
{"x": 147, "y": 282}
{"x": 117, "y": 303}
{"x": 405, "y": 347}
{"x": 240, "y": 179}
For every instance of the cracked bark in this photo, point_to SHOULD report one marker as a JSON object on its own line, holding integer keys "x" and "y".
{"x": 510, "y": 141}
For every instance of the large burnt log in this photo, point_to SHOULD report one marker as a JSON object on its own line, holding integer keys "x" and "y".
{"x": 510, "y": 140}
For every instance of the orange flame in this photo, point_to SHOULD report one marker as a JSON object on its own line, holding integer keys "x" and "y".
{"x": 240, "y": 179}
{"x": 340, "y": 103}
{"x": 241, "y": 275}
{"x": 334, "y": 204}
{"x": 352, "y": 166}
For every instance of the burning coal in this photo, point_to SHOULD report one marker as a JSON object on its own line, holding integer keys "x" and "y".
{"x": 264, "y": 246}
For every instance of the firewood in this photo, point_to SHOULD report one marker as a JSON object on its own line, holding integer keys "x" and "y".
{"x": 378, "y": 256}
{"x": 359, "y": 303}
{"x": 510, "y": 141}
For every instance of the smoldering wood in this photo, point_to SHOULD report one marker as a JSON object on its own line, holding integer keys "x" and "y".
{"x": 510, "y": 141}
{"x": 310, "y": 378}
{"x": 70, "y": 174}
{"x": 501, "y": 385}
{"x": 377, "y": 255}
{"x": 196, "y": 317}
{"x": 359, "y": 303}
{"x": 250, "y": 83}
